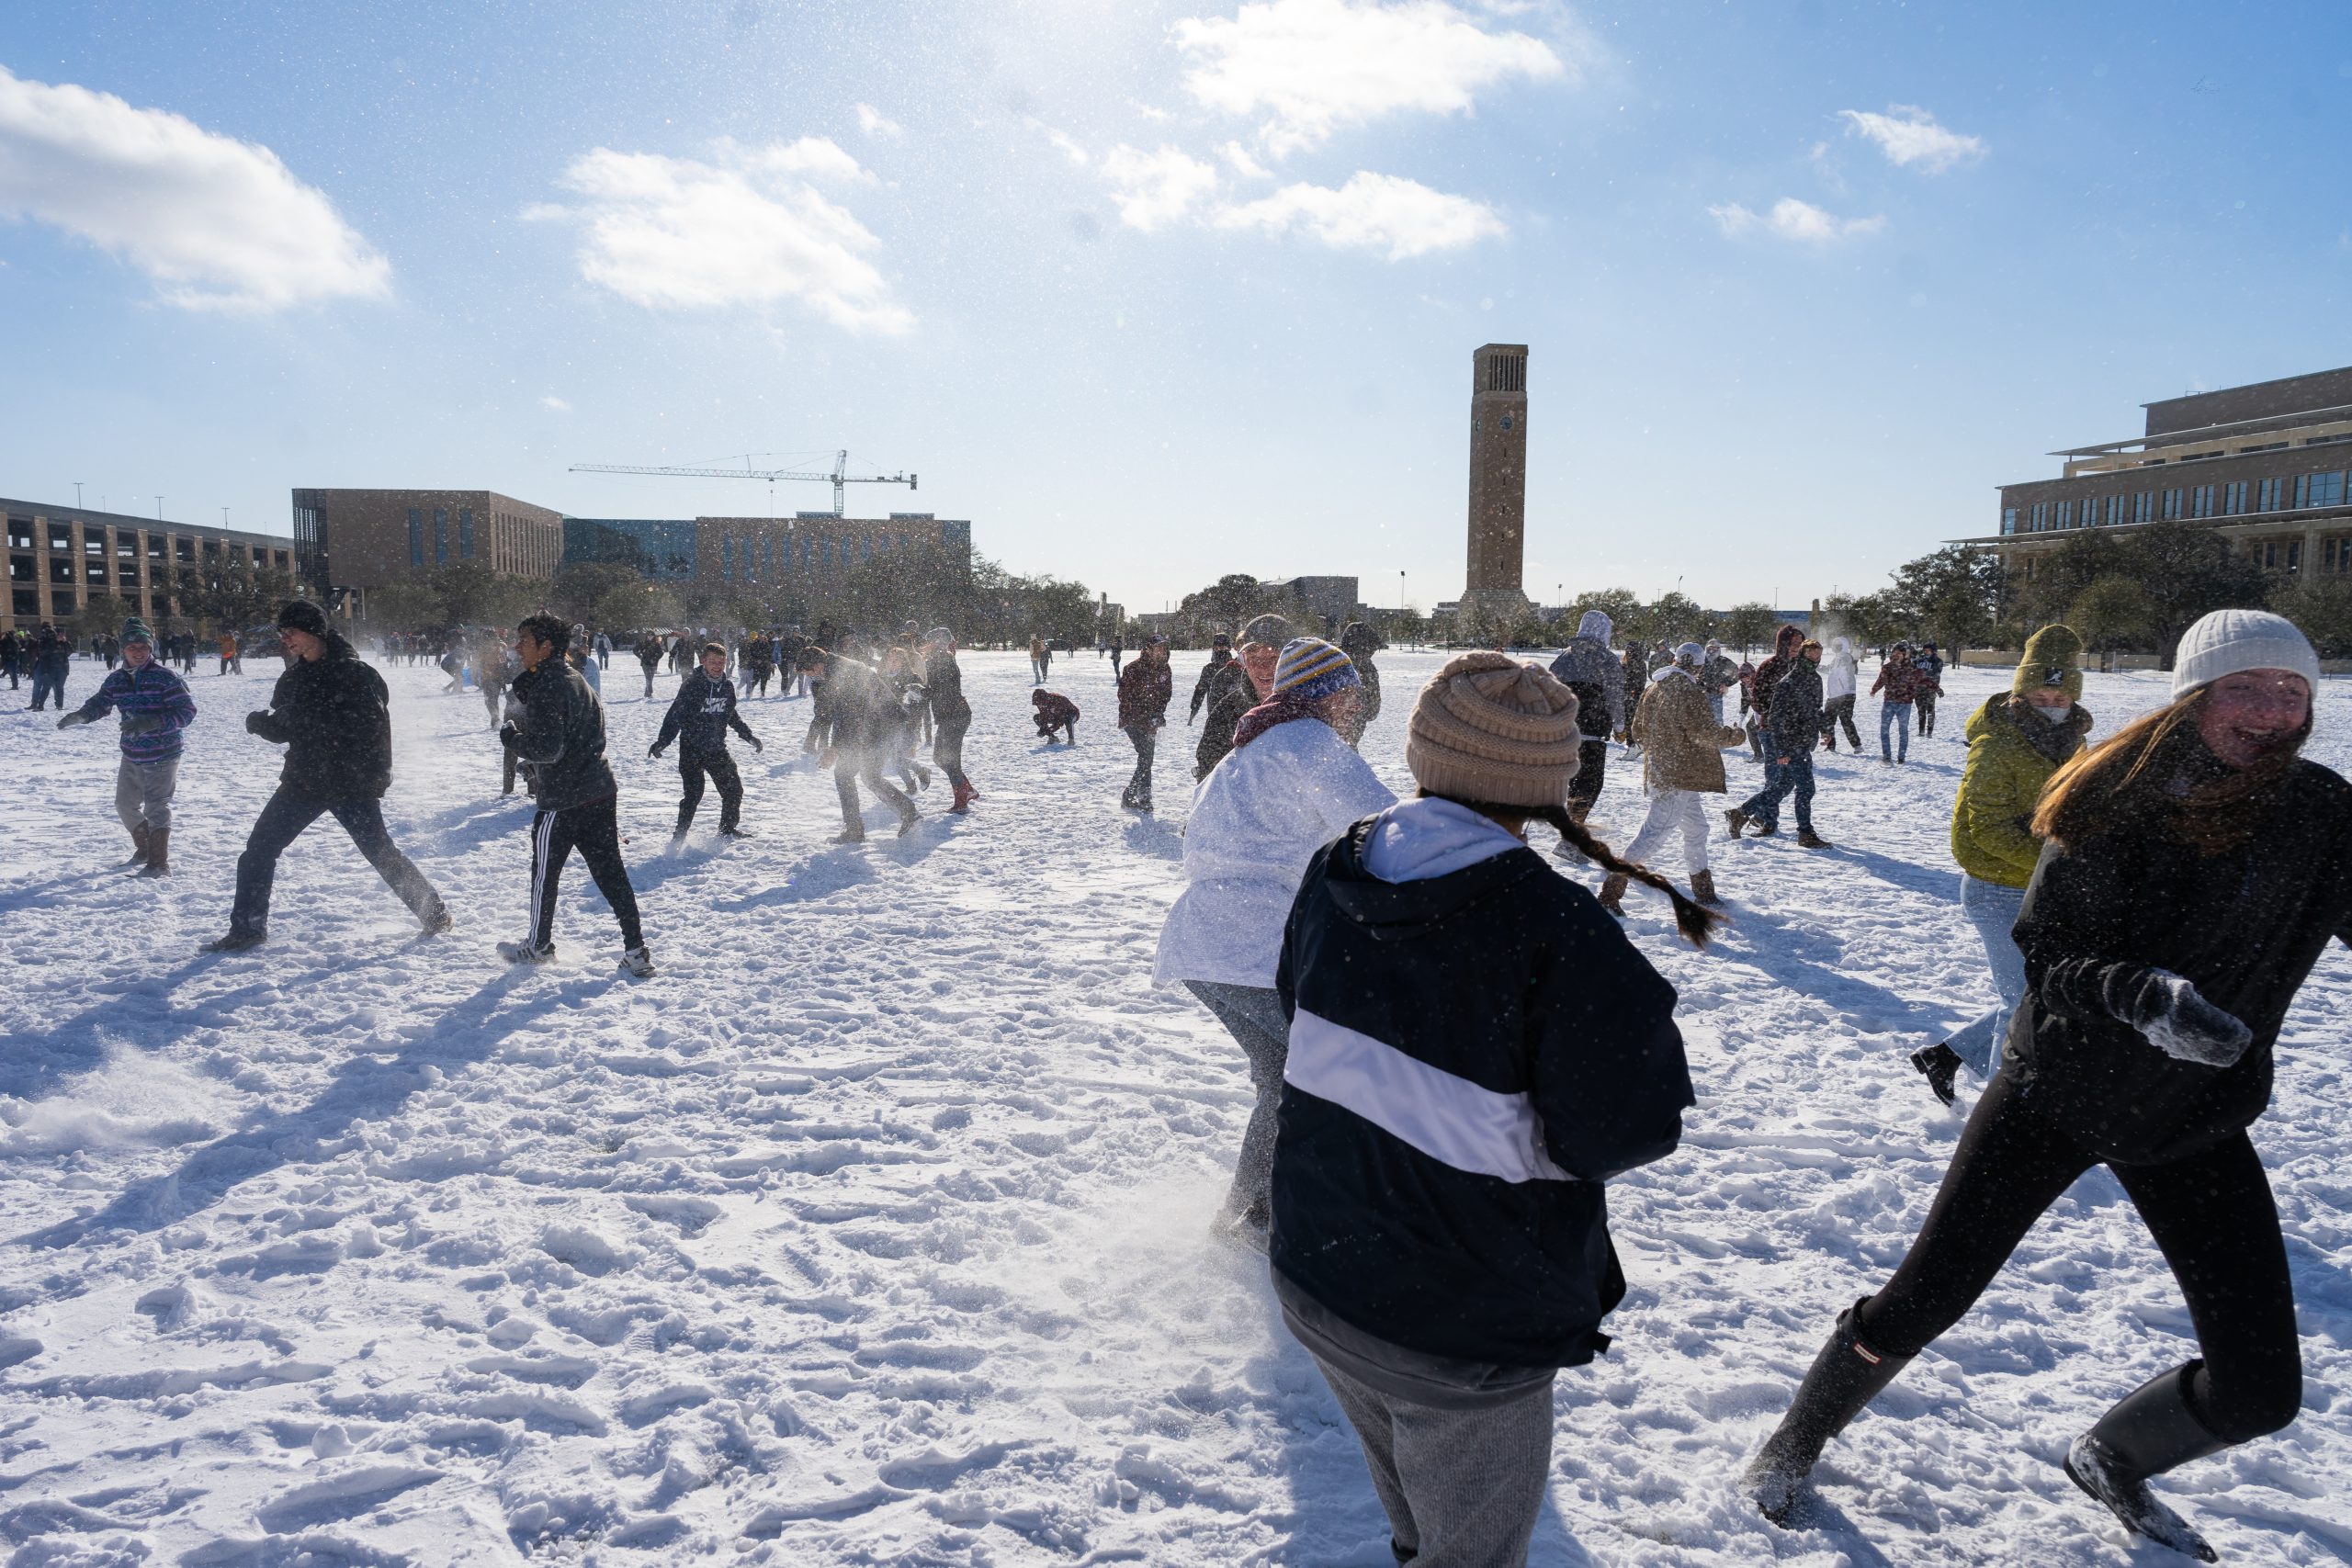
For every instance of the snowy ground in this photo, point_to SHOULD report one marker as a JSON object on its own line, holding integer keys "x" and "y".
{"x": 872, "y": 1231}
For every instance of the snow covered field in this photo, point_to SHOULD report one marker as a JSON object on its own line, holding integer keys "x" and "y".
{"x": 874, "y": 1229}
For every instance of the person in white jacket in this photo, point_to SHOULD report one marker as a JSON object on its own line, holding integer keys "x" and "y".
{"x": 1290, "y": 786}
{"x": 1838, "y": 680}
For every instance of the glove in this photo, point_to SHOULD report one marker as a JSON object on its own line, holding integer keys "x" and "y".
{"x": 508, "y": 734}
{"x": 254, "y": 722}
{"x": 141, "y": 723}
{"x": 69, "y": 720}
{"x": 654, "y": 749}
{"x": 2177, "y": 1019}
{"x": 755, "y": 744}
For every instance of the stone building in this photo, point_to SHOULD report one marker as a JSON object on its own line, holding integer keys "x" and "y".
{"x": 1498, "y": 521}
{"x": 60, "y": 557}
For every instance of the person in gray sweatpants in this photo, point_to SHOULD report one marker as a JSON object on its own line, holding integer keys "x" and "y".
{"x": 155, "y": 706}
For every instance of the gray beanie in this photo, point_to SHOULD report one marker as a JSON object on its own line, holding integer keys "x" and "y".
{"x": 1271, "y": 630}
{"x": 2230, "y": 641}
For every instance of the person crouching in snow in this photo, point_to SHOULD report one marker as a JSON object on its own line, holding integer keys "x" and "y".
{"x": 155, "y": 706}
{"x": 2195, "y": 867}
{"x": 699, "y": 717}
{"x": 1054, "y": 713}
{"x": 1682, "y": 760}
{"x": 1474, "y": 1048}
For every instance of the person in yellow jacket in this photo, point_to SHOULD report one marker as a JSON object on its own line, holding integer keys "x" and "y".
{"x": 2015, "y": 742}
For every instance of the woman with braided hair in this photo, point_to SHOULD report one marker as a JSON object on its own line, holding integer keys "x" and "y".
{"x": 1474, "y": 1048}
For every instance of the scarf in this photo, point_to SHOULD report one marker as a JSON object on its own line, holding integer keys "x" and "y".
{"x": 2056, "y": 739}
{"x": 1280, "y": 708}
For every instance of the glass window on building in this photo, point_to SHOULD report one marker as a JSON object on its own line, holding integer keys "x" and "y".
{"x": 2234, "y": 497}
{"x": 440, "y": 536}
{"x": 2065, "y": 514}
{"x": 2009, "y": 520}
{"x": 2319, "y": 489}
{"x": 415, "y": 538}
{"x": 465, "y": 533}
{"x": 2172, "y": 503}
{"x": 2269, "y": 495}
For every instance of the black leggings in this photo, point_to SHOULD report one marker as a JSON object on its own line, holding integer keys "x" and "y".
{"x": 721, "y": 768}
{"x": 594, "y": 829}
{"x": 1592, "y": 770}
{"x": 947, "y": 750}
{"x": 2211, "y": 1212}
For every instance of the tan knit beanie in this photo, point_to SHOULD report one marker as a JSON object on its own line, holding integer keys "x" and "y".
{"x": 1488, "y": 728}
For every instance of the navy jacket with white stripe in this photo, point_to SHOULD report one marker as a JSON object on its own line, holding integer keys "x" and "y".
{"x": 1496, "y": 1016}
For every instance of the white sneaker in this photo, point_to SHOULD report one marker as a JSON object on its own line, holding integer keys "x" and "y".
{"x": 637, "y": 962}
{"x": 526, "y": 952}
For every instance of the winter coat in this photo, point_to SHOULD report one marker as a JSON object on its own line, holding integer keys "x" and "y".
{"x": 856, "y": 709}
{"x": 2244, "y": 926}
{"x": 1840, "y": 673}
{"x": 1785, "y": 643}
{"x": 1681, "y": 743}
{"x": 1146, "y": 688}
{"x": 648, "y": 653}
{"x": 559, "y": 739}
{"x": 333, "y": 716}
{"x": 155, "y": 706}
{"x": 2012, "y": 752}
{"x": 943, "y": 679}
{"x": 1257, "y": 819}
{"x": 700, "y": 716}
{"x": 1231, "y": 694}
{"x": 1795, "y": 715}
{"x": 1902, "y": 682}
{"x": 1219, "y": 659}
{"x": 1586, "y": 668}
{"x": 1052, "y": 710}
{"x": 1718, "y": 675}
{"x": 52, "y": 656}
{"x": 1472, "y": 1052}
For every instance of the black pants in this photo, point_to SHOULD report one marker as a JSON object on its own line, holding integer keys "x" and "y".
{"x": 281, "y": 822}
{"x": 1925, "y": 703}
{"x": 594, "y": 829}
{"x": 1593, "y": 769}
{"x": 1047, "y": 731}
{"x": 721, "y": 768}
{"x": 649, "y": 670}
{"x": 1837, "y": 710}
{"x": 850, "y": 767}
{"x": 2212, "y": 1214}
{"x": 947, "y": 750}
{"x": 757, "y": 679}
{"x": 506, "y": 768}
{"x": 1138, "y": 790}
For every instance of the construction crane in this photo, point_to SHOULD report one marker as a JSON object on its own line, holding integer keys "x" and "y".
{"x": 839, "y": 479}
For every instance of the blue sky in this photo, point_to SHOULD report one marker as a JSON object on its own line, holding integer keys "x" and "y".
{"x": 1152, "y": 292}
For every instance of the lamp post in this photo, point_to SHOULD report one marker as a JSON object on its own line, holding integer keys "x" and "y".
{"x": 77, "y": 495}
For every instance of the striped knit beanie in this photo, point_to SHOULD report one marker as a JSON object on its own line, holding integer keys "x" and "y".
{"x": 1310, "y": 667}
{"x": 1490, "y": 729}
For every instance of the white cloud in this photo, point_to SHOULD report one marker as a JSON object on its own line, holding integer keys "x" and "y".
{"x": 217, "y": 223}
{"x": 1908, "y": 134}
{"x": 1371, "y": 212}
{"x": 874, "y": 122}
{"x": 744, "y": 229}
{"x": 1154, "y": 189}
{"x": 1313, "y": 67}
{"x": 557, "y": 404}
{"x": 1249, "y": 168}
{"x": 1064, "y": 142}
{"x": 1791, "y": 220}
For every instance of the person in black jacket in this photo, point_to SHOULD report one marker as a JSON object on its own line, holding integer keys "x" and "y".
{"x": 1220, "y": 655}
{"x": 856, "y": 715}
{"x": 559, "y": 742}
{"x": 52, "y": 659}
{"x": 699, "y": 717}
{"x": 2195, "y": 869}
{"x": 951, "y": 713}
{"x": 1474, "y": 1048}
{"x": 1241, "y": 685}
{"x": 330, "y": 711}
{"x": 1792, "y": 729}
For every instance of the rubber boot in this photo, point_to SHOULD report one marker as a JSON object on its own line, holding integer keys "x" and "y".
{"x": 962, "y": 802}
{"x": 2149, "y": 1431}
{"x": 1613, "y": 894}
{"x": 139, "y": 835}
{"x": 1846, "y": 1376}
{"x": 1702, "y": 888}
{"x": 158, "y": 851}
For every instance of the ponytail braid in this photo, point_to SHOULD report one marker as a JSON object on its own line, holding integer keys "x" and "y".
{"x": 1694, "y": 920}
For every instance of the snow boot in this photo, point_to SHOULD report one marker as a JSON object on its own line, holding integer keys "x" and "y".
{"x": 637, "y": 962}
{"x": 139, "y": 835}
{"x": 2151, "y": 1430}
{"x": 158, "y": 851}
{"x": 440, "y": 922}
{"x": 527, "y": 952}
{"x": 1809, "y": 840}
{"x": 962, "y": 805}
{"x": 1940, "y": 1065}
{"x": 1702, "y": 888}
{"x": 1613, "y": 894}
{"x": 1738, "y": 820}
{"x": 235, "y": 941}
{"x": 850, "y": 836}
{"x": 733, "y": 831}
{"x": 1846, "y": 1376}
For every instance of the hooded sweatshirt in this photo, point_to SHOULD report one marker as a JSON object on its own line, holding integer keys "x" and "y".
{"x": 1839, "y": 673}
{"x": 1474, "y": 1048}
{"x": 1586, "y": 668}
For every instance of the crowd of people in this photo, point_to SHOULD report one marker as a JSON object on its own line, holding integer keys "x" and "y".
{"x": 1454, "y": 1042}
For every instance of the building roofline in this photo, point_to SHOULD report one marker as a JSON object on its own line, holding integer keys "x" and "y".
{"x": 2249, "y": 386}
{"x": 61, "y": 513}
{"x": 2209, "y": 432}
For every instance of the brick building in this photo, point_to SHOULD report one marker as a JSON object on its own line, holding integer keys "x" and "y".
{"x": 60, "y": 557}
{"x": 366, "y": 538}
{"x": 2265, "y": 465}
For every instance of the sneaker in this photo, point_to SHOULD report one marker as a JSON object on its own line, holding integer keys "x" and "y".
{"x": 850, "y": 836}
{"x": 439, "y": 922}
{"x": 527, "y": 952}
{"x": 637, "y": 962}
{"x": 235, "y": 941}
{"x": 737, "y": 832}
{"x": 1940, "y": 1065}
{"x": 907, "y": 823}
{"x": 1809, "y": 840}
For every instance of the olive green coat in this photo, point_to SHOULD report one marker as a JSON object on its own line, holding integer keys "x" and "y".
{"x": 1991, "y": 837}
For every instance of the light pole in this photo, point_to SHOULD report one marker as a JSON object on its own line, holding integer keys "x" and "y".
{"x": 77, "y": 495}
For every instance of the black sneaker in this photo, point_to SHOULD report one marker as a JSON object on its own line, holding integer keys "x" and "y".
{"x": 235, "y": 941}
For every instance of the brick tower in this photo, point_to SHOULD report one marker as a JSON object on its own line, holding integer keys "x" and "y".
{"x": 1491, "y": 594}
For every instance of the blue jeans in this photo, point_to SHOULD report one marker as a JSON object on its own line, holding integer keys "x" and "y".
{"x": 1899, "y": 715}
{"x": 1992, "y": 910}
{"x": 1780, "y": 780}
{"x": 1716, "y": 706}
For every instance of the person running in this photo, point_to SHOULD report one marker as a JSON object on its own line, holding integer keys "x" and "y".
{"x": 1682, "y": 760}
{"x": 1586, "y": 668}
{"x": 1790, "y": 729}
{"x": 1841, "y": 675}
{"x": 901, "y": 672}
{"x": 856, "y": 714}
{"x": 2015, "y": 742}
{"x": 647, "y": 649}
{"x": 1785, "y": 643}
{"x": 1902, "y": 682}
{"x": 1634, "y": 669}
{"x": 2196, "y": 867}
{"x": 951, "y": 714}
{"x": 1290, "y": 787}
{"x": 1056, "y": 714}
{"x": 1146, "y": 689}
{"x": 559, "y": 742}
{"x": 1471, "y": 1049}
{"x": 1238, "y": 687}
{"x": 1360, "y": 643}
{"x": 330, "y": 710}
{"x": 155, "y": 705}
{"x": 1930, "y": 664}
{"x": 759, "y": 664}
{"x": 699, "y": 717}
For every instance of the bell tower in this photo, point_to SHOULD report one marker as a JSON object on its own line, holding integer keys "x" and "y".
{"x": 1491, "y": 591}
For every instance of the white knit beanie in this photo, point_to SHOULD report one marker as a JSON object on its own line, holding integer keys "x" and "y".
{"x": 2228, "y": 641}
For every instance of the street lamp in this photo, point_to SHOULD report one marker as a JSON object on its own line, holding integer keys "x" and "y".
{"x": 77, "y": 495}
